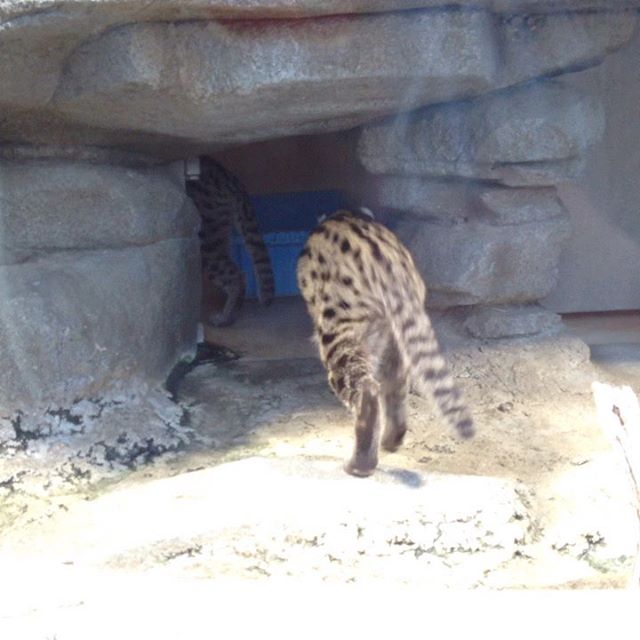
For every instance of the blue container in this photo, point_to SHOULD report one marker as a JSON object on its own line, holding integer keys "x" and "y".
{"x": 284, "y": 248}
{"x": 295, "y": 211}
{"x": 286, "y": 220}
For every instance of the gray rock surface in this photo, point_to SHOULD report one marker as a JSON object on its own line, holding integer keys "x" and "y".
{"x": 533, "y": 135}
{"x": 459, "y": 201}
{"x": 537, "y": 45}
{"x": 75, "y": 324}
{"x": 99, "y": 267}
{"x": 510, "y": 321}
{"x": 248, "y": 9}
{"x": 54, "y": 205}
{"x": 175, "y": 76}
{"x": 476, "y": 263}
{"x": 234, "y": 82}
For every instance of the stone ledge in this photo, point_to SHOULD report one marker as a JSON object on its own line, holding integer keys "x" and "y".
{"x": 50, "y": 205}
{"x": 535, "y": 135}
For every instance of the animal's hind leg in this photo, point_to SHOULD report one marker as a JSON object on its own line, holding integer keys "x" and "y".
{"x": 393, "y": 388}
{"x": 351, "y": 380}
{"x": 395, "y": 427}
{"x": 364, "y": 460}
{"x": 225, "y": 275}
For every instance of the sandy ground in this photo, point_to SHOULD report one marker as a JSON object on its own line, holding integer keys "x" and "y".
{"x": 240, "y": 476}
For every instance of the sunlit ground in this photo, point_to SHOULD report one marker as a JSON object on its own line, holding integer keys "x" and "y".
{"x": 541, "y": 498}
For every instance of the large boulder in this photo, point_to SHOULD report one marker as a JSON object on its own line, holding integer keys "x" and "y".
{"x": 478, "y": 243}
{"x": 472, "y": 262}
{"x": 62, "y": 205}
{"x": 99, "y": 274}
{"x": 168, "y": 76}
{"x": 534, "y": 135}
{"x": 224, "y": 82}
{"x": 538, "y": 45}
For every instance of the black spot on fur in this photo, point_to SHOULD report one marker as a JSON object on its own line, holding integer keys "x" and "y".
{"x": 431, "y": 373}
{"x": 347, "y": 281}
{"x": 328, "y": 338}
{"x": 356, "y": 229}
{"x": 314, "y": 275}
{"x": 375, "y": 250}
{"x": 329, "y": 313}
{"x": 345, "y": 247}
{"x": 408, "y": 324}
{"x": 465, "y": 427}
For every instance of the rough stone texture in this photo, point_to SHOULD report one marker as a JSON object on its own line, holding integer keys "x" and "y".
{"x": 75, "y": 324}
{"x": 460, "y": 201}
{"x": 147, "y": 86}
{"x": 477, "y": 244}
{"x": 533, "y": 135}
{"x": 53, "y": 205}
{"x": 516, "y": 206}
{"x": 538, "y": 499}
{"x": 301, "y": 519}
{"x": 537, "y": 45}
{"x": 222, "y": 82}
{"x": 476, "y": 263}
{"x": 98, "y": 271}
{"x": 510, "y": 321}
{"x": 110, "y": 10}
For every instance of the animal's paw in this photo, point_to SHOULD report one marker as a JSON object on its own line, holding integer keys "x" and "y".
{"x": 220, "y": 320}
{"x": 361, "y": 467}
{"x": 391, "y": 441}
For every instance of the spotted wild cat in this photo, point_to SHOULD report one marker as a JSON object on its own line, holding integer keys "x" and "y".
{"x": 223, "y": 204}
{"x": 367, "y": 302}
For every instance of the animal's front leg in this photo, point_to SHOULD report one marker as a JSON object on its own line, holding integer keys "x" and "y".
{"x": 365, "y": 456}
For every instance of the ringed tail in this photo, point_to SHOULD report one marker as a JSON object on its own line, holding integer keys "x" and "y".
{"x": 254, "y": 242}
{"x": 428, "y": 370}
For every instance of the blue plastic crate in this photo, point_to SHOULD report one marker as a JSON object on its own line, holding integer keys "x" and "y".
{"x": 286, "y": 220}
{"x": 284, "y": 248}
{"x": 295, "y": 210}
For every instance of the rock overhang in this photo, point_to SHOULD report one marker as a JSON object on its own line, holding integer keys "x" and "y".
{"x": 169, "y": 76}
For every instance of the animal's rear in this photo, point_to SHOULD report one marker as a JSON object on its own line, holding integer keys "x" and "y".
{"x": 366, "y": 299}
{"x": 224, "y": 203}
